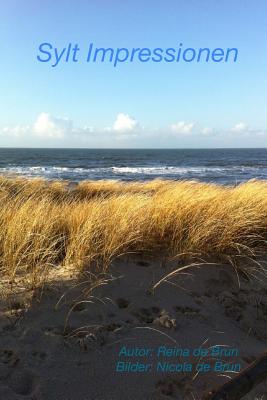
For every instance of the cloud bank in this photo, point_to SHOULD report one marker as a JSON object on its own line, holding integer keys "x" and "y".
{"x": 61, "y": 131}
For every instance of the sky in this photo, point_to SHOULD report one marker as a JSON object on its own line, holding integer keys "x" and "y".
{"x": 135, "y": 105}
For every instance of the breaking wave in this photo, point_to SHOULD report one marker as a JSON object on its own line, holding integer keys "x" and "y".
{"x": 141, "y": 172}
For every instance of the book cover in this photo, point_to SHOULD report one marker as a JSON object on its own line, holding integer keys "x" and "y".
{"x": 133, "y": 200}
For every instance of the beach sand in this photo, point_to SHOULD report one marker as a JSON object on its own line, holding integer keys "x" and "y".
{"x": 65, "y": 343}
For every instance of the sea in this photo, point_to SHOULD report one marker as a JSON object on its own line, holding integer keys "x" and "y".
{"x": 222, "y": 166}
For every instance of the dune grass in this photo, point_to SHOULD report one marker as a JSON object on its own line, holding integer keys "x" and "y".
{"x": 46, "y": 224}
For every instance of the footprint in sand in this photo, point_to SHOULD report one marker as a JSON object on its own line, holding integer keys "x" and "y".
{"x": 122, "y": 303}
{"x": 8, "y": 360}
{"x": 146, "y": 315}
{"x": 143, "y": 264}
{"x": 187, "y": 311}
{"x": 247, "y": 308}
{"x": 42, "y": 355}
{"x": 54, "y": 331}
{"x": 23, "y": 382}
{"x": 173, "y": 387}
{"x": 165, "y": 387}
{"x": 8, "y": 357}
{"x": 224, "y": 282}
{"x": 96, "y": 335}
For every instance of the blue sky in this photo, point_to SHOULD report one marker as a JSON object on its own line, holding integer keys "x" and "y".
{"x": 136, "y": 104}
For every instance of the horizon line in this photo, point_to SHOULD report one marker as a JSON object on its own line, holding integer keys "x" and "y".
{"x": 133, "y": 148}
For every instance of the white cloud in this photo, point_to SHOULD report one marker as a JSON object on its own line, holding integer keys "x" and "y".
{"x": 207, "y": 131}
{"x": 182, "y": 127}
{"x": 239, "y": 127}
{"x": 15, "y": 131}
{"x": 47, "y": 126}
{"x": 124, "y": 123}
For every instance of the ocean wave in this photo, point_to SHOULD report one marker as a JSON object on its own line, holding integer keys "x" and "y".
{"x": 136, "y": 172}
{"x": 165, "y": 170}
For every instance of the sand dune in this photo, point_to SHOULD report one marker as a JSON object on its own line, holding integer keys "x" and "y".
{"x": 69, "y": 344}
{"x": 113, "y": 291}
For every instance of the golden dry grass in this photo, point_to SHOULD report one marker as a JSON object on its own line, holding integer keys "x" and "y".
{"x": 45, "y": 224}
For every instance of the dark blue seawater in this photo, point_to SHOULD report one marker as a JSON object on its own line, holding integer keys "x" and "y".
{"x": 226, "y": 166}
